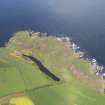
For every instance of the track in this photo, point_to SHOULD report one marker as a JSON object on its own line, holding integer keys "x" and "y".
{"x": 4, "y": 99}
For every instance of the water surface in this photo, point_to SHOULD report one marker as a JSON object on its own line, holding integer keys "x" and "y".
{"x": 84, "y": 20}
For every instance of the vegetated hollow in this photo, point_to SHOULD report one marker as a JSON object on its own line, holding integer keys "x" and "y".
{"x": 43, "y": 68}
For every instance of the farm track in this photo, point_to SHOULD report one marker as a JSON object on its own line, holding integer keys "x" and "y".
{"x": 45, "y": 86}
{"x": 23, "y": 93}
{"x": 6, "y": 98}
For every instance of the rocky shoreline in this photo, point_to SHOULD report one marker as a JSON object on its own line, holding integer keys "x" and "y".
{"x": 97, "y": 69}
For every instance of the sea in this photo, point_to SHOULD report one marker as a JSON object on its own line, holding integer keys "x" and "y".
{"x": 82, "y": 20}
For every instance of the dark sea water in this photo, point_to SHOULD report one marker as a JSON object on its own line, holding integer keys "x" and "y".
{"x": 84, "y": 20}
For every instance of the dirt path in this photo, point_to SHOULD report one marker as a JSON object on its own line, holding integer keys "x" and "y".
{"x": 6, "y": 98}
{"x": 45, "y": 70}
{"x": 18, "y": 94}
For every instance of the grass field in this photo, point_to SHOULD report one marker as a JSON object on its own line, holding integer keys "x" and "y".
{"x": 17, "y": 75}
{"x": 21, "y": 75}
{"x": 67, "y": 94}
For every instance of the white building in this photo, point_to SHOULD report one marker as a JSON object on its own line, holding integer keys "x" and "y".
{"x": 81, "y": 54}
{"x": 103, "y": 74}
{"x": 59, "y": 39}
{"x": 94, "y": 60}
{"x": 67, "y": 38}
{"x": 74, "y": 46}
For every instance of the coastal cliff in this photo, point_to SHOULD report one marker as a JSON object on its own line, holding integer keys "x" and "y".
{"x": 21, "y": 76}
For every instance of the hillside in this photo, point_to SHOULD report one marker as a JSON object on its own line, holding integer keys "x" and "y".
{"x": 23, "y": 80}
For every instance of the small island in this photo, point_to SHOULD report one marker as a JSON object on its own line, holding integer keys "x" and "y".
{"x": 40, "y": 69}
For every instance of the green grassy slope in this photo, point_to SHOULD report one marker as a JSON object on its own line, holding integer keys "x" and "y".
{"x": 17, "y": 75}
{"x": 77, "y": 86}
{"x": 67, "y": 94}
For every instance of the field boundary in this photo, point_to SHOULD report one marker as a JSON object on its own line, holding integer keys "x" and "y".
{"x": 23, "y": 93}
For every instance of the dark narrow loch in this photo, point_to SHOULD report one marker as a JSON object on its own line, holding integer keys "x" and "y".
{"x": 43, "y": 68}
